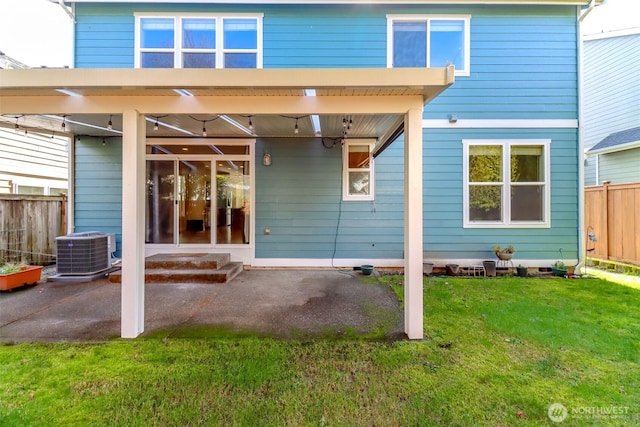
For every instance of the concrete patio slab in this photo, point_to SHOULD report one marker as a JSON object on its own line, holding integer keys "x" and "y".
{"x": 278, "y": 303}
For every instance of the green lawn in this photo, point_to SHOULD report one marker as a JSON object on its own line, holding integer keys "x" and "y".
{"x": 498, "y": 352}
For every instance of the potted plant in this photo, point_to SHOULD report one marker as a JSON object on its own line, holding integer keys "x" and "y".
{"x": 504, "y": 254}
{"x": 521, "y": 270}
{"x": 558, "y": 269}
{"x": 15, "y": 275}
{"x": 489, "y": 268}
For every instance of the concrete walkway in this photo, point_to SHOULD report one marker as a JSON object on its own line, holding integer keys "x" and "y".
{"x": 280, "y": 303}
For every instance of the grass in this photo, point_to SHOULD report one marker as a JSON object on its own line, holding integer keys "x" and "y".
{"x": 498, "y": 352}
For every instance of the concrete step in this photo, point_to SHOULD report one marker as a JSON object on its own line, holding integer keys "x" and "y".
{"x": 163, "y": 275}
{"x": 183, "y": 261}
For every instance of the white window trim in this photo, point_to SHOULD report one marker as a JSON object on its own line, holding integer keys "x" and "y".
{"x": 506, "y": 202}
{"x": 427, "y": 18}
{"x": 219, "y": 50}
{"x": 345, "y": 170}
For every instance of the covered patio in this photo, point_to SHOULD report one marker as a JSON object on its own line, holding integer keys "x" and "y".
{"x": 381, "y": 103}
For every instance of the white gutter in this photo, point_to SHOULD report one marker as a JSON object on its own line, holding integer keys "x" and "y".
{"x": 582, "y": 242}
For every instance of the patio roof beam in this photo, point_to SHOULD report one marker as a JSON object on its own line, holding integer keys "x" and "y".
{"x": 209, "y": 104}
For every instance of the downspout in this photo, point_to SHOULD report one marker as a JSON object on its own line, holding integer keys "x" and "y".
{"x": 71, "y": 183}
{"x": 582, "y": 252}
{"x": 581, "y": 14}
{"x": 65, "y": 8}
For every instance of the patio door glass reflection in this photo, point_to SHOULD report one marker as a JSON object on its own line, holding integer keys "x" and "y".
{"x": 160, "y": 191}
{"x": 199, "y": 199}
{"x": 233, "y": 194}
{"x": 194, "y": 201}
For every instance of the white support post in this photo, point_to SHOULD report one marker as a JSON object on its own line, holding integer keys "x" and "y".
{"x": 413, "y": 229}
{"x": 133, "y": 172}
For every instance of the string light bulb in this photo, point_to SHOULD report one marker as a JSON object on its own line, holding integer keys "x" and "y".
{"x": 250, "y": 124}
{"x": 155, "y": 125}
{"x": 64, "y": 123}
{"x": 296, "y": 130}
{"x": 204, "y": 130}
{"x": 110, "y": 124}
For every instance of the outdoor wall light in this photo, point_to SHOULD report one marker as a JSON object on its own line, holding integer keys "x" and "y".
{"x": 266, "y": 159}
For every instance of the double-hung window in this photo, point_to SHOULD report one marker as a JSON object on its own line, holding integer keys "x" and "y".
{"x": 506, "y": 183}
{"x": 358, "y": 179}
{"x": 429, "y": 41}
{"x": 198, "y": 41}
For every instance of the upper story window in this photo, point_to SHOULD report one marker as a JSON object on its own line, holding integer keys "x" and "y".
{"x": 429, "y": 41}
{"x": 198, "y": 41}
{"x": 506, "y": 183}
{"x": 357, "y": 169}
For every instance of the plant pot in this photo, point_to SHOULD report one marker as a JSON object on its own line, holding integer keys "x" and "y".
{"x": 28, "y": 276}
{"x": 522, "y": 271}
{"x": 366, "y": 269}
{"x": 489, "y": 268}
{"x": 452, "y": 269}
{"x": 427, "y": 268}
{"x": 504, "y": 256}
{"x": 560, "y": 272}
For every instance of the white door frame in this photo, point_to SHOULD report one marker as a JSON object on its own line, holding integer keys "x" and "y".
{"x": 244, "y": 253}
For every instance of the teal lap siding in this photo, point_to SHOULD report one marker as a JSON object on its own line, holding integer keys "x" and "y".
{"x": 98, "y": 186}
{"x": 299, "y": 198}
{"x": 444, "y": 235}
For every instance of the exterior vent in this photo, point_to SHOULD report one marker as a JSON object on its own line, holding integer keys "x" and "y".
{"x": 83, "y": 253}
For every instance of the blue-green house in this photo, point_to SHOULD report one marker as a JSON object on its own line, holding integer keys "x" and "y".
{"x": 321, "y": 133}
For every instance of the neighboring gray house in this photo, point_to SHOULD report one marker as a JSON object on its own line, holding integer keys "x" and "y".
{"x": 611, "y": 120}
{"x": 33, "y": 160}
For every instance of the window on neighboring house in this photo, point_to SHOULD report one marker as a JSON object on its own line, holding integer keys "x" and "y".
{"x": 429, "y": 41}
{"x": 199, "y": 41}
{"x": 357, "y": 161}
{"x": 506, "y": 183}
{"x": 30, "y": 189}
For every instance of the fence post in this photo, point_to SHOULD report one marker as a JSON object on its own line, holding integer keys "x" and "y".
{"x": 63, "y": 215}
{"x": 605, "y": 217}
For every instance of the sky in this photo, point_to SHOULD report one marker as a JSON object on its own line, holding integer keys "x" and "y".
{"x": 39, "y": 33}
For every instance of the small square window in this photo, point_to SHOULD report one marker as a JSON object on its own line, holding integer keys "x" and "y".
{"x": 358, "y": 170}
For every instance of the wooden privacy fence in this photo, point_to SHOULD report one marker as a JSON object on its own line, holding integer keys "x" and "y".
{"x": 29, "y": 226}
{"x": 612, "y": 214}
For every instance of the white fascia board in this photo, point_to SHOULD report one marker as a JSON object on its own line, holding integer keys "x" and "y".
{"x": 622, "y": 147}
{"x": 612, "y": 34}
{"x": 368, "y": 2}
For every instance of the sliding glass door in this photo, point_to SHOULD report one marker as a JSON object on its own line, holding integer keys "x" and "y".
{"x": 198, "y": 199}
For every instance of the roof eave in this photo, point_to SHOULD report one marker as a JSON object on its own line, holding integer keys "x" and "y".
{"x": 614, "y": 149}
{"x": 430, "y": 81}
